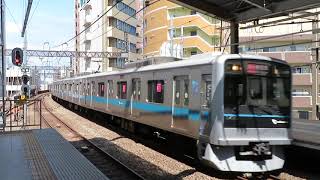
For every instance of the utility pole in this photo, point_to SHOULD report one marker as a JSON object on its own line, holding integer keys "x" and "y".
{"x": 3, "y": 65}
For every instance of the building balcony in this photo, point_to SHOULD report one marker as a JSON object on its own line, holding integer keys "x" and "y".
{"x": 114, "y": 32}
{"x": 195, "y": 20}
{"x": 195, "y": 41}
{"x": 86, "y": 6}
{"x": 86, "y": 23}
{"x": 88, "y": 38}
{"x": 88, "y": 20}
{"x": 302, "y": 79}
{"x": 301, "y": 101}
{"x": 112, "y": 49}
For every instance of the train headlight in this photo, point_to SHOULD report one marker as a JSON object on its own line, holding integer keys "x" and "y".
{"x": 236, "y": 67}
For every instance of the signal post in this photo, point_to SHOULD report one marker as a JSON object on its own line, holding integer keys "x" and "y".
{"x": 17, "y": 60}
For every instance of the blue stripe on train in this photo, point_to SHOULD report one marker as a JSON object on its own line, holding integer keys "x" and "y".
{"x": 157, "y": 108}
{"x": 255, "y": 115}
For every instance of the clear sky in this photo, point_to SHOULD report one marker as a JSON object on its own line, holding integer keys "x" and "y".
{"x": 52, "y": 21}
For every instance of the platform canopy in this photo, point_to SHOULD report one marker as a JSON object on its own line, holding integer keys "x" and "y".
{"x": 242, "y": 11}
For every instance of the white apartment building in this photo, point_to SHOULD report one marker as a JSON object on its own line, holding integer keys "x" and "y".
{"x": 90, "y": 39}
{"x": 114, "y": 32}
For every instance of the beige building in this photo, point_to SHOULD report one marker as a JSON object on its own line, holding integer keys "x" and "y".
{"x": 173, "y": 30}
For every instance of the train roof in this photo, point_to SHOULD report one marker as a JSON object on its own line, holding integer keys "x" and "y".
{"x": 200, "y": 59}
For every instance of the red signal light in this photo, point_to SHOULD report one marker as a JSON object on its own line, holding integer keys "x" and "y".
{"x": 17, "y": 56}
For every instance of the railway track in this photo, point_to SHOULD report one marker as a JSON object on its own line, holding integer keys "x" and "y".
{"x": 105, "y": 162}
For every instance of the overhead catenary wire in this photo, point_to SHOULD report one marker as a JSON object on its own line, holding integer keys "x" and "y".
{"x": 14, "y": 20}
{"x": 34, "y": 10}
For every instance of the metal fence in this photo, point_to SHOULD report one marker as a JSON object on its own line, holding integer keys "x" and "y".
{"x": 21, "y": 115}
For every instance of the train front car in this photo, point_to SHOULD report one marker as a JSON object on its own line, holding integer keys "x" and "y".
{"x": 249, "y": 121}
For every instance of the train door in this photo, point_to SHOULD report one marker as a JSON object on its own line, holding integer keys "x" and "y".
{"x": 122, "y": 94}
{"x": 180, "y": 106}
{"x": 93, "y": 93}
{"x": 205, "y": 102}
{"x": 79, "y": 92}
{"x": 109, "y": 94}
{"x": 135, "y": 96}
{"x": 87, "y": 98}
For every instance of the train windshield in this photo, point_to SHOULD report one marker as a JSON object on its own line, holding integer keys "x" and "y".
{"x": 257, "y": 94}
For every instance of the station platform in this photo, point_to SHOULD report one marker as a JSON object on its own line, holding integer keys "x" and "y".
{"x": 42, "y": 154}
{"x": 306, "y": 133}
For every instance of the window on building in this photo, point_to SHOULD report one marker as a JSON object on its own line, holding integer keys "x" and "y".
{"x": 145, "y": 22}
{"x": 122, "y": 90}
{"x": 145, "y": 41}
{"x": 101, "y": 89}
{"x": 156, "y": 91}
{"x": 301, "y": 92}
{"x": 125, "y": 9}
{"x": 293, "y": 48}
{"x": 193, "y": 33}
{"x": 193, "y": 53}
{"x": 266, "y": 49}
{"x": 133, "y": 48}
{"x": 301, "y": 69}
{"x": 303, "y": 114}
{"x": 121, "y": 25}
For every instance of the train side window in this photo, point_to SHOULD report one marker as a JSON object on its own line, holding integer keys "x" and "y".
{"x": 186, "y": 93}
{"x": 139, "y": 90}
{"x": 88, "y": 89}
{"x": 110, "y": 88}
{"x": 206, "y": 87}
{"x": 101, "y": 89}
{"x": 177, "y": 92}
{"x": 122, "y": 90}
{"x": 156, "y": 91}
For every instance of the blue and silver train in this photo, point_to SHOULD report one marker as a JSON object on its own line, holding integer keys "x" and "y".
{"x": 237, "y": 107}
